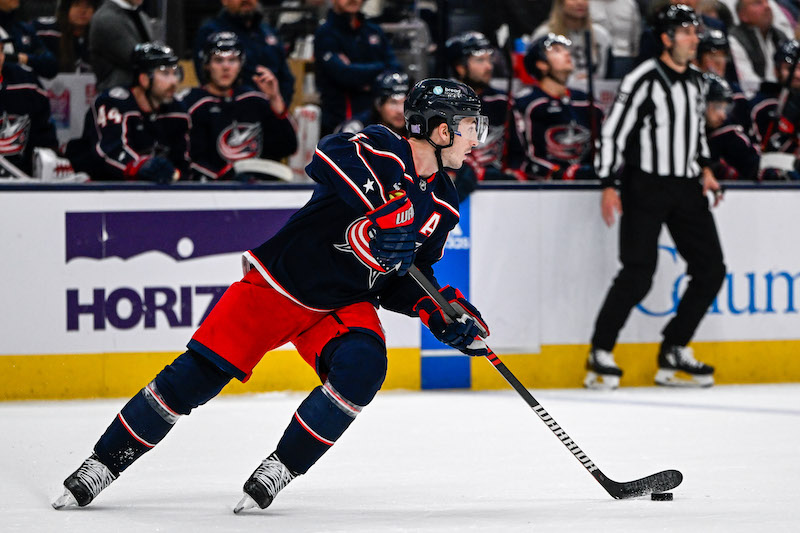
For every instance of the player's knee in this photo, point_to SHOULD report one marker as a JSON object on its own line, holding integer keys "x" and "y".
{"x": 190, "y": 380}
{"x": 357, "y": 363}
{"x": 636, "y": 280}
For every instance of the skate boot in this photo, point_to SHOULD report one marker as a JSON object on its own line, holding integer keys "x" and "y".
{"x": 85, "y": 484}
{"x": 603, "y": 372}
{"x": 264, "y": 484}
{"x": 677, "y": 367}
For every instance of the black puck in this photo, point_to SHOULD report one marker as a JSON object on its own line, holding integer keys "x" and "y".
{"x": 661, "y": 496}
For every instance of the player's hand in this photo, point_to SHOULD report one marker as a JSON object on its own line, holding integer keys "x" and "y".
{"x": 610, "y": 204}
{"x": 22, "y": 58}
{"x": 710, "y": 183}
{"x": 464, "y": 334}
{"x": 393, "y": 236}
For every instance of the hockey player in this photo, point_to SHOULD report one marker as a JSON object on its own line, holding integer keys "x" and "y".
{"x": 470, "y": 54}
{"x": 390, "y": 90}
{"x": 779, "y": 133}
{"x": 381, "y": 202}
{"x": 232, "y": 122}
{"x": 139, "y": 132}
{"x": 554, "y": 122}
{"x": 24, "y": 117}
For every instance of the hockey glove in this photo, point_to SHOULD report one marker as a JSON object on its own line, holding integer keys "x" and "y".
{"x": 393, "y": 235}
{"x": 463, "y": 334}
{"x": 158, "y": 169}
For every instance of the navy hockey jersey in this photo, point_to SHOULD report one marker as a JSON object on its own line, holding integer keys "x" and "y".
{"x": 321, "y": 259}
{"x": 783, "y": 133}
{"x": 24, "y": 117}
{"x": 236, "y": 127}
{"x": 555, "y": 132}
{"x": 117, "y": 135}
{"x": 738, "y": 158}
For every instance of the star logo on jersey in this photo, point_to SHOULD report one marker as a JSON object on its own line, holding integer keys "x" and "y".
{"x": 357, "y": 243}
{"x": 240, "y": 140}
{"x": 14, "y": 133}
{"x": 369, "y": 185}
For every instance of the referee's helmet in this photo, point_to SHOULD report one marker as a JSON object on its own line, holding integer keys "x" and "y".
{"x": 673, "y": 16}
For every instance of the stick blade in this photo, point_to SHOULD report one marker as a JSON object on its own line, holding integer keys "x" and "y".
{"x": 660, "y": 482}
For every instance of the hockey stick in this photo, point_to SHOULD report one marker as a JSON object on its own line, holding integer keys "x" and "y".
{"x": 660, "y": 482}
{"x": 587, "y": 38}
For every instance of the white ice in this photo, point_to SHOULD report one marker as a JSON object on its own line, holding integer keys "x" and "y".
{"x": 428, "y": 461}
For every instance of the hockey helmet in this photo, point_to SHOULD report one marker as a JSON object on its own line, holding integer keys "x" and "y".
{"x": 673, "y": 16}
{"x": 712, "y": 40}
{"x": 718, "y": 89}
{"x": 787, "y": 52}
{"x": 222, "y": 42}
{"x": 464, "y": 45}
{"x": 390, "y": 83}
{"x": 147, "y": 57}
{"x": 537, "y": 51}
{"x": 448, "y": 101}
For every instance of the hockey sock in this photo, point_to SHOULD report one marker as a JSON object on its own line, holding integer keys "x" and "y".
{"x": 191, "y": 380}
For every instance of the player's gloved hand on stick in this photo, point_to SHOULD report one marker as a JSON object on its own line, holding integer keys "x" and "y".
{"x": 392, "y": 234}
{"x": 158, "y": 169}
{"x": 464, "y": 334}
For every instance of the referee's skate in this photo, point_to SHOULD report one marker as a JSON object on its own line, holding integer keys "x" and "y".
{"x": 677, "y": 367}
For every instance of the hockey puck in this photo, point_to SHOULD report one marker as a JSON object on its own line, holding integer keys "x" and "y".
{"x": 661, "y": 496}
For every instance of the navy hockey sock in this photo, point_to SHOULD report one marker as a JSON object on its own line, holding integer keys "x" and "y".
{"x": 190, "y": 380}
{"x": 357, "y": 364}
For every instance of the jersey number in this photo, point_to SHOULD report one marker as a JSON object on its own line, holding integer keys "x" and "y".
{"x": 113, "y": 115}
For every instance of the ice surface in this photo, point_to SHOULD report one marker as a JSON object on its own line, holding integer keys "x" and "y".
{"x": 428, "y": 461}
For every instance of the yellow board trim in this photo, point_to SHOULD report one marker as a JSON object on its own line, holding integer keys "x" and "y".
{"x": 115, "y": 375}
{"x": 562, "y": 366}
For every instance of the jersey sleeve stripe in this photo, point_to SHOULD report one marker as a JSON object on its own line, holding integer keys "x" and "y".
{"x": 345, "y": 177}
{"x": 445, "y": 205}
{"x": 372, "y": 172}
{"x": 383, "y": 154}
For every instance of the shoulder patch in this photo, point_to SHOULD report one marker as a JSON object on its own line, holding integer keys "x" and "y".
{"x": 180, "y": 95}
{"x": 120, "y": 93}
{"x": 622, "y": 97}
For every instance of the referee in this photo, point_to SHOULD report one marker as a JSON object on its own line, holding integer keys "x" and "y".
{"x": 656, "y": 133}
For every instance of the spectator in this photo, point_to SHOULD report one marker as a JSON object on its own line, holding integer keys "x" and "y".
{"x": 231, "y": 121}
{"x": 713, "y": 54}
{"x": 262, "y": 47}
{"x": 735, "y": 156}
{"x": 389, "y": 91}
{"x": 754, "y": 43}
{"x": 137, "y": 132}
{"x": 571, "y": 19}
{"x": 779, "y": 133}
{"x": 522, "y": 16}
{"x": 555, "y": 123}
{"x": 117, "y": 27}
{"x": 470, "y": 55}
{"x": 622, "y": 20}
{"x": 24, "y": 116}
{"x": 349, "y": 53}
{"x": 67, "y": 34}
{"x": 24, "y": 47}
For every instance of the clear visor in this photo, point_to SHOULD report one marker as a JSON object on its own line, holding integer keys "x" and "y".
{"x": 721, "y": 107}
{"x": 170, "y": 70}
{"x": 473, "y": 127}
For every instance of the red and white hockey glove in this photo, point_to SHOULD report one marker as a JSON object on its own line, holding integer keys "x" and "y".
{"x": 393, "y": 234}
{"x": 464, "y": 334}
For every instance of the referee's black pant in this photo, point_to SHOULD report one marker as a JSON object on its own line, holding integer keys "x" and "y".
{"x": 647, "y": 203}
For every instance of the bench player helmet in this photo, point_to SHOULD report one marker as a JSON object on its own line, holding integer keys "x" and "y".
{"x": 147, "y": 57}
{"x": 712, "y": 40}
{"x": 434, "y": 101}
{"x": 672, "y": 16}
{"x": 222, "y": 42}
{"x": 390, "y": 84}
{"x": 718, "y": 90}
{"x": 787, "y": 52}
{"x": 464, "y": 45}
{"x": 537, "y": 51}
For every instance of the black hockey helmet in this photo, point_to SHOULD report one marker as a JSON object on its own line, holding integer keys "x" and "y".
{"x": 787, "y": 52}
{"x": 441, "y": 100}
{"x": 672, "y": 16}
{"x": 390, "y": 83}
{"x": 712, "y": 40}
{"x": 718, "y": 89}
{"x": 464, "y": 45}
{"x": 222, "y": 42}
{"x": 147, "y": 57}
{"x": 537, "y": 51}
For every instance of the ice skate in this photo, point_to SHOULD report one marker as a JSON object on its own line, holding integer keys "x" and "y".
{"x": 677, "y": 367}
{"x": 84, "y": 484}
{"x": 264, "y": 484}
{"x": 602, "y": 371}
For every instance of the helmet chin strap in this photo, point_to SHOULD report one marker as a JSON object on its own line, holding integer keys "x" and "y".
{"x": 438, "y": 149}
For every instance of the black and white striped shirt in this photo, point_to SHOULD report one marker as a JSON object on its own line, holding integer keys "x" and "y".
{"x": 656, "y": 125}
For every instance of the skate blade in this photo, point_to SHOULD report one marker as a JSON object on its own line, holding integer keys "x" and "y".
{"x": 597, "y": 381}
{"x": 245, "y": 504}
{"x": 676, "y": 378}
{"x": 65, "y": 501}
